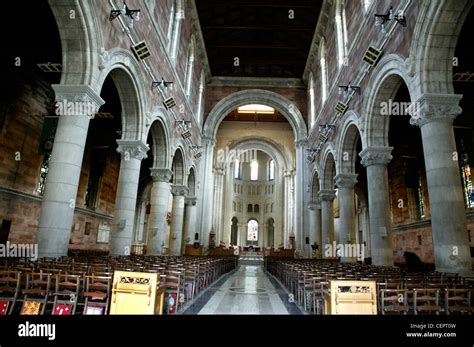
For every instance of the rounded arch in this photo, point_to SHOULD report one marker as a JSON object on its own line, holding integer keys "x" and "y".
{"x": 434, "y": 43}
{"x": 328, "y": 167}
{"x": 125, "y": 71}
{"x": 272, "y": 149}
{"x": 80, "y": 40}
{"x": 349, "y": 134}
{"x": 192, "y": 182}
{"x": 160, "y": 147}
{"x": 384, "y": 83}
{"x": 178, "y": 168}
{"x": 256, "y": 96}
{"x": 315, "y": 186}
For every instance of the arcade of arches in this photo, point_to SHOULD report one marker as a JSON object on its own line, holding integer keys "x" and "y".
{"x": 287, "y": 129}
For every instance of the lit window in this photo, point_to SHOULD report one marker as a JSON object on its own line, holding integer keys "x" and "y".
{"x": 466, "y": 174}
{"x": 236, "y": 169}
{"x": 324, "y": 71}
{"x": 367, "y": 4}
{"x": 43, "y": 173}
{"x": 252, "y": 230}
{"x": 254, "y": 170}
{"x": 419, "y": 197}
{"x": 189, "y": 69}
{"x": 271, "y": 170}
{"x": 341, "y": 30}
{"x": 312, "y": 107}
{"x": 256, "y": 108}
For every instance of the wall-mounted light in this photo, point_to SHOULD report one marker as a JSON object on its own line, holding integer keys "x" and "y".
{"x": 326, "y": 128}
{"x": 134, "y": 15}
{"x": 167, "y": 85}
{"x": 344, "y": 90}
{"x": 382, "y": 19}
{"x": 186, "y": 123}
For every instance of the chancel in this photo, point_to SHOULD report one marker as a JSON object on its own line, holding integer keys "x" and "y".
{"x": 207, "y": 157}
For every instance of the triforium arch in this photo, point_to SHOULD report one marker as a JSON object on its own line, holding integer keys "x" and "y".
{"x": 256, "y": 96}
{"x": 126, "y": 74}
{"x": 80, "y": 40}
{"x": 315, "y": 186}
{"x": 328, "y": 167}
{"x": 384, "y": 83}
{"x": 349, "y": 135}
{"x": 192, "y": 182}
{"x": 178, "y": 168}
{"x": 434, "y": 43}
{"x": 160, "y": 147}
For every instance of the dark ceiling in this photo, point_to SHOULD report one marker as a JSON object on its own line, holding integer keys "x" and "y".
{"x": 261, "y": 34}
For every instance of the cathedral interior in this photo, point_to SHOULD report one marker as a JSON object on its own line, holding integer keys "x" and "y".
{"x": 237, "y": 157}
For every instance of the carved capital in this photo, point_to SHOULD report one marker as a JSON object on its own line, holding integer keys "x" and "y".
{"x": 327, "y": 195}
{"x": 190, "y": 201}
{"x": 376, "y": 156}
{"x": 314, "y": 205}
{"x": 132, "y": 149}
{"x": 177, "y": 190}
{"x": 435, "y": 107}
{"x": 161, "y": 175}
{"x": 76, "y": 100}
{"x": 346, "y": 180}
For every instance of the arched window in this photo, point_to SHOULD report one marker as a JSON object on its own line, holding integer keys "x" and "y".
{"x": 189, "y": 69}
{"x": 256, "y": 208}
{"x": 252, "y": 230}
{"x": 341, "y": 30}
{"x": 324, "y": 71}
{"x": 254, "y": 170}
{"x": 312, "y": 107}
{"x": 271, "y": 170}
{"x": 202, "y": 87}
{"x": 236, "y": 169}
{"x": 366, "y": 4}
{"x": 249, "y": 208}
{"x": 174, "y": 30}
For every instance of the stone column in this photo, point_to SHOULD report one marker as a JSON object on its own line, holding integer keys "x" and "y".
{"x": 376, "y": 159}
{"x": 345, "y": 184}
{"x": 286, "y": 209}
{"x": 218, "y": 193}
{"x": 299, "y": 204}
{"x": 315, "y": 224}
{"x": 189, "y": 220}
{"x": 327, "y": 220}
{"x": 132, "y": 152}
{"x": 207, "y": 192}
{"x": 76, "y": 104}
{"x": 159, "y": 199}
{"x": 435, "y": 114}
{"x": 177, "y": 219}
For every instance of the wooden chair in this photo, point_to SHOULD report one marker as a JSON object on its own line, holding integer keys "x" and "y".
{"x": 9, "y": 290}
{"x": 426, "y": 300}
{"x": 174, "y": 281}
{"x": 66, "y": 294}
{"x": 458, "y": 301}
{"x": 394, "y": 301}
{"x": 36, "y": 293}
{"x": 97, "y": 294}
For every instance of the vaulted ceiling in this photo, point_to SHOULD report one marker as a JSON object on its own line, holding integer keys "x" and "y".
{"x": 264, "y": 38}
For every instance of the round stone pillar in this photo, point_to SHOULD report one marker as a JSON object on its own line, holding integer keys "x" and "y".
{"x": 376, "y": 159}
{"x": 327, "y": 221}
{"x": 132, "y": 153}
{"x": 76, "y": 104}
{"x": 345, "y": 184}
{"x": 157, "y": 225}
{"x": 177, "y": 219}
{"x": 434, "y": 114}
{"x": 315, "y": 224}
{"x": 189, "y": 220}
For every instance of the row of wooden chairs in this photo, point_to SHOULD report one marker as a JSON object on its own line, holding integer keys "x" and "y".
{"x": 72, "y": 285}
{"x": 308, "y": 282}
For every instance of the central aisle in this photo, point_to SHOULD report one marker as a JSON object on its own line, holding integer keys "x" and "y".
{"x": 247, "y": 291}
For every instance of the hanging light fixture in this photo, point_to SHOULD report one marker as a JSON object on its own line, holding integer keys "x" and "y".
{"x": 134, "y": 15}
{"x": 382, "y": 19}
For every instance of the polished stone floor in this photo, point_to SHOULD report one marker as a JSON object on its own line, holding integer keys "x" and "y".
{"x": 248, "y": 290}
